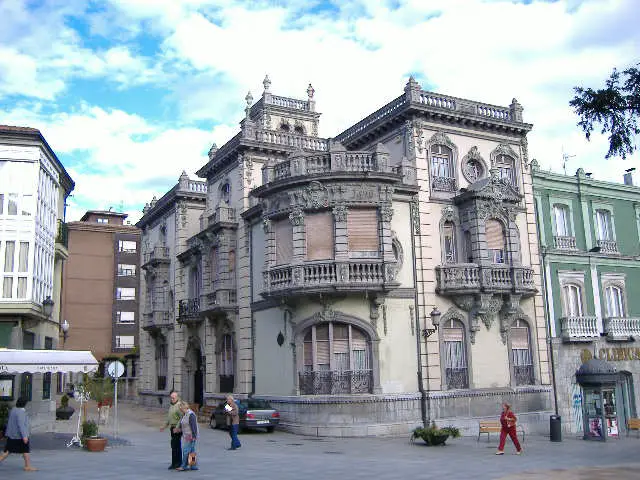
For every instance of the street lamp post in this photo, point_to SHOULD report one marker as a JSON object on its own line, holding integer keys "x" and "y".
{"x": 64, "y": 328}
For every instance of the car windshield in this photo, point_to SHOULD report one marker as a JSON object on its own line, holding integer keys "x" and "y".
{"x": 257, "y": 404}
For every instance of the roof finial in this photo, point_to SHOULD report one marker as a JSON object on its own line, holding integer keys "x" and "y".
{"x": 310, "y": 91}
{"x": 212, "y": 151}
{"x": 267, "y": 83}
{"x": 249, "y": 100}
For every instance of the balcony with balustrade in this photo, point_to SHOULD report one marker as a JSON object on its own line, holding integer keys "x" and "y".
{"x": 329, "y": 276}
{"x": 621, "y": 328}
{"x": 579, "y": 329}
{"x": 220, "y": 300}
{"x": 156, "y": 256}
{"x": 564, "y": 243}
{"x": 189, "y": 311}
{"x": 467, "y": 278}
{"x": 156, "y": 319}
{"x": 607, "y": 246}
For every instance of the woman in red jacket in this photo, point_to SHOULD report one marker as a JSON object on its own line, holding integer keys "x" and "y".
{"x": 508, "y": 421}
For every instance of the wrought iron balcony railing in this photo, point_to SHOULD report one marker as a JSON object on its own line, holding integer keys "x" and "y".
{"x": 579, "y": 328}
{"x": 523, "y": 374}
{"x": 444, "y": 184}
{"x": 331, "y": 382}
{"x": 621, "y": 327}
{"x": 189, "y": 308}
{"x": 457, "y": 378}
{"x": 564, "y": 242}
{"x": 472, "y": 278}
{"x": 62, "y": 235}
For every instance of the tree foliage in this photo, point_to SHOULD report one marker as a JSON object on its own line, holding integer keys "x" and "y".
{"x": 616, "y": 108}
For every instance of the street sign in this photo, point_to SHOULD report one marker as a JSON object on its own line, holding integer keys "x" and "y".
{"x": 115, "y": 369}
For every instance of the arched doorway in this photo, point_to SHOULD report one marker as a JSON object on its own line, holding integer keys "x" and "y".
{"x": 193, "y": 373}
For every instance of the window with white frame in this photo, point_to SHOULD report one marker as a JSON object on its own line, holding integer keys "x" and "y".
{"x": 614, "y": 301}
{"x": 604, "y": 225}
{"x": 455, "y": 354}
{"x": 125, "y": 293}
{"x": 562, "y": 222}
{"x": 125, "y": 317}
{"x": 521, "y": 357}
{"x": 127, "y": 246}
{"x": 102, "y": 220}
{"x": 573, "y": 301}
{"x": 506, "y": 169}
{"x": 441, "y": 161}
{"x": 125, "y": 341}
{"x": 126, "y": 270}
{"x": 494, "y": 233}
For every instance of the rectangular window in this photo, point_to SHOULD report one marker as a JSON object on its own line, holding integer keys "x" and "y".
{"x": 125, "y": 270}
{"x": 573, "y": 300}
{"x": 23, "y": 257}
{"x": 162, "y": 364}
{"x": 125, "y": 341}
{"x": 319, "y": 236}
{"x": 103, "y": 220}
{"x": 127, "y": 246}
{"x": 362, "y": 228}
{"x": 123, "y": 293}
{"x": 449, "y": 243}
{"x": 7, "y": 287}
{"x": 6, "y": 387}
{"x": 125, "y": 317}
{"x": 46, "y": 385}
{"x": 605, "y": 231}
{"x": 9, "y": 254}
{"x": 12, "y": 205}
{"x": 495, "y": 241}
{"x": 59, "y": 382}
{"x": 26, "y": 386}
{"x": 561, "y": 215}
{"x": 1, "y": 203}
{"x": 26, "y": 205}
{"x": 22, "y": 287}
{"x": 284, "y": 241}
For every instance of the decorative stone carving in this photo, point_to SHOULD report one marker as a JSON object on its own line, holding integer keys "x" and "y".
{"x": 343, "y": 272}
{"x": 473, "y": 165}
{"x": 510, "y": 312}
{"x": 409, "y": 140}
{"x": 340, "y": 213}
{"x": 487, "y": 306}
{"x": 449, "y": 214}
{"x": 465, "y": 302}
{"x": 386, "y": 213}
{"x": 266, "y": 225}
{"x": 390, "y": 273}
{"x": 297, "y": 217}
{"x": 248, "y": 169}
{"x": 415, "y": 216}
{"x": 297, "y": 275}
{"x": 212, "y": 151}
{"x": 316, "y": 195}
{"x": 503, "y": 149}
{"x": 524, "y": 145}
{"x": 441, "y": 138}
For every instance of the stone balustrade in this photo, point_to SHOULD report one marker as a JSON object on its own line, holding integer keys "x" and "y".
{"x": 222, "y": 296}
{"x": 290, "y": 139}
{"x": 473, "y": 278}
{"x": 346, "y": 275}
{"x": 196, "y": 186}
{"x": 158, "y": 254}
{"x": 287, "y": 102}
{"x": 621, "y": 327}
{"x": 153, "y": 320}
{"x": 223, "y": 214}
{"x": 564, "y": 243}
{"x": 607, "y": 246}
{"x": 579, "y": 328}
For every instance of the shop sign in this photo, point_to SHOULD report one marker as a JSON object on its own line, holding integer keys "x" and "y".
{"x": 619, "y": 354}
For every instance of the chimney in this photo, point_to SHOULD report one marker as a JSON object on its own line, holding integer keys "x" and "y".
{"x": 628, "y": 176}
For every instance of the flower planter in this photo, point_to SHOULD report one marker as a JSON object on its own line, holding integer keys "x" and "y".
{"x": 433, "y": 440}
{"x": 64, "y": 413}
{"x": 97, "y": 444}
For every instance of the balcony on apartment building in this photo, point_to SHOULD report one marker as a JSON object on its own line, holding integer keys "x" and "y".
{"x": 189, "y": 311}
{"x": 329, "y": 276}
{"x": 222, "y": 217}
{"x": 156, "y": 318}
{"x": 464, "y": 278}
{"x": 222, "y": 298}
{"x": 607, "y": 246}
{"x": 564, "y": 242}
{"x": 621, "y": 328}
{"x": 579, "y": 328}
{"x": 156, "y": 256}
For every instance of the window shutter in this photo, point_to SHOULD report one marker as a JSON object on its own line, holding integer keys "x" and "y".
{"x": 319, "y": 236}
{"x": 284, "y": 241}
{"x": 362, "y": 226}
{"x": 494, "y": 234}
{"x": 520, "y": 338}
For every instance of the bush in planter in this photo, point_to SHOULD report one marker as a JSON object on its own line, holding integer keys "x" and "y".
{"x": 64, "y": 411}
{"x": 90, "y": 438}
{"x": 89, "y": 429}
{"x": 433, "y": 435}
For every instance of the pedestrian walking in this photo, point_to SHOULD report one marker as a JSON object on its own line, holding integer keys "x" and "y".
{"x": 508, "y": 422}
{"x": 233, "y": 420}
{"x": 17, "y": 434}
{"x": 173, "y": 419}
{"x": 188, "y": 427}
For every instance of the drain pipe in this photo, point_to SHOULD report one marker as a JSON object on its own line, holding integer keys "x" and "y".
{"x": 253, "y": 320}
{"x": 416, "y": 319}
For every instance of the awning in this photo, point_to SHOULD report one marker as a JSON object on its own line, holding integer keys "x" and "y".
{"x": 41, "y": 361}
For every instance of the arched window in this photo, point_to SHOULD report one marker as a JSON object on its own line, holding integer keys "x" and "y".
{"x": 604, "y": 225}
{"x": 225, "y": 192}
{"x": 442, "y": 173}
{"x": 614, "y": 297}
{"x": 226, "y": 364}
{"x": 572, "y": 300}
{"x": 495, "y": 241}
{"x": 450, "y": 253}
{"x": 506, "y": 169}
{"x": 455, "y": 354}
{"x": 521, "y": 357}
{"x": 336, "y": 359}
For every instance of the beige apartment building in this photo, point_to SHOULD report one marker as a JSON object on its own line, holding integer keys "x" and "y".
{"x": 101, "y": 289}
{"x": 363, "y": 283}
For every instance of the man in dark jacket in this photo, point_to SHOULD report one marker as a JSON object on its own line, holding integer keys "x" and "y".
{"x": 173, "y": 419}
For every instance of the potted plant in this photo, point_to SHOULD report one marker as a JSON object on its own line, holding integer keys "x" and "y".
{"x": 90, "y": 438}
{"x": 4, "y": 416}
{"x": 64, "y": 411}
{"x": 433, "y": 435}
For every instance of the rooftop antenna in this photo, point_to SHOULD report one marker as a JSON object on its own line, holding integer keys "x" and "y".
{"x": 565, "y": 159}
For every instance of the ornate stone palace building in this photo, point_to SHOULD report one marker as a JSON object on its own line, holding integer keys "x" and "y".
{"x": 361, "y": 283}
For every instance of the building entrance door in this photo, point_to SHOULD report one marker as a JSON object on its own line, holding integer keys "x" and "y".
{"x": 626, "y": 396}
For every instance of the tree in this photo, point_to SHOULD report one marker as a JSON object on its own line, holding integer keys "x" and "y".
{"x": 616, "y": 107}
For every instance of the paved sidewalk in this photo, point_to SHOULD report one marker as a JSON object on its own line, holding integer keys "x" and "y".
{"x": 145, "y": 454}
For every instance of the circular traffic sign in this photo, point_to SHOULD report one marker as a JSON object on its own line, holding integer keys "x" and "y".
{"x": 115, "y": 369}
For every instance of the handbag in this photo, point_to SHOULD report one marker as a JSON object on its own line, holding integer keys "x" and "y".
{"x": 191, "y": 460}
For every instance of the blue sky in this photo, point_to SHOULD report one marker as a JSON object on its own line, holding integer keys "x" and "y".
{"x": 131, "y": 92}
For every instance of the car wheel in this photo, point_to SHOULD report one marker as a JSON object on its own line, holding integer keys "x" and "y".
{"x": 270, "y": 429}
{"x": 213, "y": 423}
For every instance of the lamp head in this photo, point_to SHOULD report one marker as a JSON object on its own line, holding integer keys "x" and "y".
{"x": 47, "y": 306}
{"x": 435, "y": 316}
{"x": 64, "y": 326}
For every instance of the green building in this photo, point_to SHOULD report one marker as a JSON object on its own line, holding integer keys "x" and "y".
{"x": 590, "y": 249}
